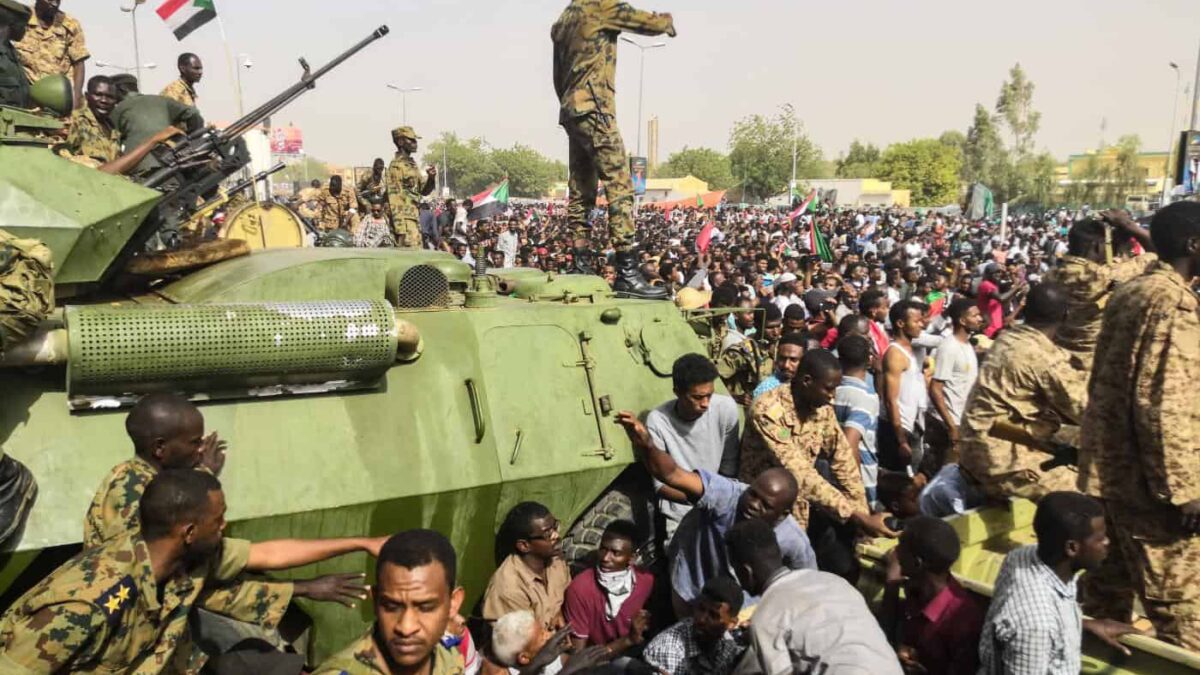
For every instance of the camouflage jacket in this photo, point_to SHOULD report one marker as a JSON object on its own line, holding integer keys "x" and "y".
{"x": 1027, "y": 381}
{"x": 52, "y": 50}
{"x": 89, "y": 137}
{"x": 180, "y": 91}
{"x": 1141, "y": 432}
{"x": 102, "y": 611}
{"x": 334, "y": 211}
{"x": 404, "y": 184}
{"x": 740, "y": 364}
{"x": 776, "y": 436}
{"x": 1090, "y": 285}
{"x": 585, "y": 52}
{"x": 26, "y": 288}
{"x": 362, "y": 657}
{"x": 370, "y": 190}
{"x": 14, "y": 84}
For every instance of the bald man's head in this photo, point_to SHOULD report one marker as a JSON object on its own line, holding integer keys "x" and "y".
{"x": 166, "y": 430}
{"x": 770, "y": 497}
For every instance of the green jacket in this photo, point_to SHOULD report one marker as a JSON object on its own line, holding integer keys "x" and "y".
{"x": 14, "y": 86}
{"x": 140, "y": 116}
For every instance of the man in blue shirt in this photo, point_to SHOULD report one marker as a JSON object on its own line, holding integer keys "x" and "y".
{"x": 698, "y": 551}
{"x": 857, "y": 408}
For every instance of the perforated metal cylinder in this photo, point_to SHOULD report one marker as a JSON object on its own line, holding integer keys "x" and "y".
{"x": 235, "y": 349}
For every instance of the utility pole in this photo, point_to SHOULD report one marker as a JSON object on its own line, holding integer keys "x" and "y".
{"x": 641, "y": 84}
{"x": 1196, "y": 95}
{"x": 1166, "y": 192}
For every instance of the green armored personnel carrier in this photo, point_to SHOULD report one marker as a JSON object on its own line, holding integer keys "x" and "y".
{"x": 361, "y": 391}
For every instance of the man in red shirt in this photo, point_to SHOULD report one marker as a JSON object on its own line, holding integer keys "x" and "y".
{"x": 995, "y": 290}
{"x": 603, "y": 604}
{"x": 936, "y": 628}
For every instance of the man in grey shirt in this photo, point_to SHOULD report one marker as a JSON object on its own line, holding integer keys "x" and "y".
{"x": 698, "y": 428}
{"x": 807, "y": 621}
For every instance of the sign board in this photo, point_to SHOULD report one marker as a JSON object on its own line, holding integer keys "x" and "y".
{"x": 637, "y": 171}
{"x": 287, "y": 140}
{"x": 1187, "y": 174}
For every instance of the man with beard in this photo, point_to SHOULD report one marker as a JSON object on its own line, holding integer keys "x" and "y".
{"x": 786, "y": 360}
{"x": 416, "y": 593}
{"x": 90, "y": 133}
{"x": 124, "y": 606}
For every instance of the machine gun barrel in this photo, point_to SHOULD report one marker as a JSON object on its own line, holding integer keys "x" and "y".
{"x": 261, "y": 176}
{"x": 201, "y": 144}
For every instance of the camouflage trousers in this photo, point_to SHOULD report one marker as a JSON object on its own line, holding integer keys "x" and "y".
{"x": 26, "y": 288}
{"x": 408, "y": 232}
{"x": 598, "y": 153}
{"x": 1107, "y": 592}
{"x": 1164, "y": 562}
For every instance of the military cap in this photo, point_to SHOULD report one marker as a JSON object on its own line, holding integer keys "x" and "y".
{"x": 18, "y": 8}
{"x": 404, "y": 132}
{"x": 120, "y": 78}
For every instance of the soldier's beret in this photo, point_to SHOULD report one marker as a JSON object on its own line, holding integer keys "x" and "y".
{"x": 18, "y": 8}
{"x": 404, "y": 132}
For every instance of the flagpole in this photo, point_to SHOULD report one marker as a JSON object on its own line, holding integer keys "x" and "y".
{"x": 233, "y": 74}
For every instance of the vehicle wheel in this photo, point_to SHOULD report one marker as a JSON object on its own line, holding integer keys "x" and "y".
{"x": 580, "y": 544}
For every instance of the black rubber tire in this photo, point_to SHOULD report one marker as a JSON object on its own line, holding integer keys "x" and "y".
{"x": 580, "y": 544}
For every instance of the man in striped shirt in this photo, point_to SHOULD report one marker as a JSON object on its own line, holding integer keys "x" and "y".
{"x": 857, "y": 408}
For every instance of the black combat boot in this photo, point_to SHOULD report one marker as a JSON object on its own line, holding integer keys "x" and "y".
{"x": 631, "y": 283}
{"x": 17, "y": 490}
{"x": 581, "y": 262}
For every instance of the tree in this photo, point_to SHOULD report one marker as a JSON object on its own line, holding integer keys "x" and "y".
{"x": 983, "y": 156}
{"x": 1130, "y": 177}
{"x": 760, "y": 154}
{"x": 530, "y": 174}
{"x": 469, "y": 165}
{"x": 710, "y": 166}
{"x": 1015, "y": 106}
{"x": 860, "y": 162}
{"x": 307, "y": 168}
{"x": 925, "y": 166}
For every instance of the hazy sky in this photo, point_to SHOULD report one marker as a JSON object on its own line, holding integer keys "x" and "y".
{"x": 878, "y": 70}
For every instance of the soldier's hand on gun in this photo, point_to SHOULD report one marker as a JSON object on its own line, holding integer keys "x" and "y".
{"x": 634, "y": 428}
{"x": 341, "y": 588}
{"x": 212, "y": 453}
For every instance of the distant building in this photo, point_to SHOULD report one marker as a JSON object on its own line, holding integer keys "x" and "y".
{"x": 854, "y": 192}
{"x": 1077, "y": 177}
{"x": 657, "y": 189}
{"x": 652, "y": 142}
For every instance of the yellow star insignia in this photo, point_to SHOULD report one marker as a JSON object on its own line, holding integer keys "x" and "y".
{"x": 112, "y": 605}
{"x": 123, "y": 594}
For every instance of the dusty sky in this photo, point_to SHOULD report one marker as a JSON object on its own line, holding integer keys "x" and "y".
{"x": 878, "y": 70}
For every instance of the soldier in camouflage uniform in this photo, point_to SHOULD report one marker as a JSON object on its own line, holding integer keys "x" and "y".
{"x": 26, "y": 297}
{"x": 90, "y": 133}
{"x": 14, "y": 84}
{"x": 794, "y": 426}
{"x": 1140, "y": 448}
{"x": 54, "y": 45}
{"x": 336, "y": 207}
{"x": 741, "y": 359}
{"x": 1089, "y": 278}
{"x": 124, "y": 606}
{"x": 585, "y": 61}
{"x": 372, "y": 188}
{"x": 1028, "y": 384}
{"x": 184, "y": 89}
{"x": 431, "y": 585}
{"x": 405, "y": 187}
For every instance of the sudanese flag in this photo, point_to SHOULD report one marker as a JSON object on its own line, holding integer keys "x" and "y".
{"x": 183, "y": 17}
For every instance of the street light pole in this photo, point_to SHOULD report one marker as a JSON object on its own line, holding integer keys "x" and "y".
{"x": 126, "y": 69}
{"x": 404, "y": 92}
{"x": 641, "y": 84}
{"x": 137, "y": 52}
{"x": 791, "y": 111}
{"x": 1166, "y": 193}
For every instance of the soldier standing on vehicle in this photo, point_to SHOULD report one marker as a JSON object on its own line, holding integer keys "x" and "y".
{"x": 585, "y": 62}
{"x": 405, "y": 188}
{"x": 26, "y": 297}
{"x": 1139, "y": 450}
{"x": 53, "y": 44}
{"x": 372, "y": 188}
{"x": 14, "y": 84}
{"x": 336, "y": 210}
{"x": 741, "y": 360}
{"x": 184, "y": 89}
{"x": 90, "y": 132}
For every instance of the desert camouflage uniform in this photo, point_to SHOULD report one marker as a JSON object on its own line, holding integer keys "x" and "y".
{"x": 89, "y": 137}
{"x": 102, "y": 612}
{"x": 585, "y": 62}
{"x": 404, "y": 183}
{"x": 362, "y": 657}
{"x": 1090, "y": 284}
{"x": 26, "y": 288}
{"x": 180, "y": 91}
{"x": 776, "y": 436}
{"x": 372, "y": 191}
{"x": 333, "y": 211}
{"x": 739, "y": 364}
{"x": 1028, "y": 381}
{"x": 308, "y": 203}
{"x": 1140, "y": 451}
{"x": 114, "y": 513}
{"x": 52, "y": 50}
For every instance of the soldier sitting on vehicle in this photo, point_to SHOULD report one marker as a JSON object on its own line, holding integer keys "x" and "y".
{"x": 533, "y": 574}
